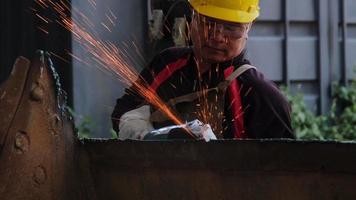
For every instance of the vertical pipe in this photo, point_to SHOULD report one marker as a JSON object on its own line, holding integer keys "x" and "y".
{"x": 323, "y": 57}
{"x": 286, "y": 78}
{"x": 334, "y": 40}
{"x": 344, "y": 44}
{"x": 335, "y": 65}
{"x": 149, "y": 10}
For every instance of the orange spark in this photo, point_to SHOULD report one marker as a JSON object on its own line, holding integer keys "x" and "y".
{"x": 105, "y": 26}
{"x": 43, "y": 30}
{"x": 42, "y": 18}
{"x": 107, "y": 55}
{"x": 61, "y": 58}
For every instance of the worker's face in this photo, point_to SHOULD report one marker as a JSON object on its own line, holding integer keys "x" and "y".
{"x": 217, "y": 41}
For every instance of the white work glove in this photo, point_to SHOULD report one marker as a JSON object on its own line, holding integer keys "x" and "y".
{"x": 135, "y": 124}
{"x": 201, "y": 131}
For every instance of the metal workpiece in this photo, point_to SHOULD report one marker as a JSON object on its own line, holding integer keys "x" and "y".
{"x": 222, "y": 169}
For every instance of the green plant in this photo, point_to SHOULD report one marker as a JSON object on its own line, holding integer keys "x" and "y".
{"x": 304, "y": 123}
{"x": 344, "y": 121}
{"x": 84, "y": 125}
{"x": 113, "y": 134}
{"x": 338, "y": 124}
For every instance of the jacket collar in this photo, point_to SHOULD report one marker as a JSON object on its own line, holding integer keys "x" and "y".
{"x": 218, "y": 67}
{"x": 237, "y": 61}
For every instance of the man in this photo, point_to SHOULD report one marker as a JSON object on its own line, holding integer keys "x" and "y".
{"x": 253, "y": 106}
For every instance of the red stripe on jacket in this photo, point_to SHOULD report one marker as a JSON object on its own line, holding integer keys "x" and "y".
{"x": 167, "y": 72}
{"x": 234, "y": 88}
{"x": 236, "y": 106}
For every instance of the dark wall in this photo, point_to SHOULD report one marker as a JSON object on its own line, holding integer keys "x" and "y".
{"x": 171, "y": 9}
{"x": 20, "y": 35}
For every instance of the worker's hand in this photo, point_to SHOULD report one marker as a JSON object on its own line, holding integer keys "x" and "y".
{"x": 135, "y": 124}
{"x": 201, "y": 130}
{"x": 208, "y": 133}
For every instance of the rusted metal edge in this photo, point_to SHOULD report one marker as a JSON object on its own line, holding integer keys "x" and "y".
{"x": 11, "y": 92}
{"x": 237, "y": 155}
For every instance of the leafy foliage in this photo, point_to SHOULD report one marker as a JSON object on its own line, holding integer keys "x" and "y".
{"x": 84, "y": 125}
{"x": 113, "y": 134}
{"x": 338, "y": 124}
{"x": 345, "y": 121}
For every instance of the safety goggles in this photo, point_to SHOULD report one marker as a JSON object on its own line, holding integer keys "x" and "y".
{"x": 231, "y": 30}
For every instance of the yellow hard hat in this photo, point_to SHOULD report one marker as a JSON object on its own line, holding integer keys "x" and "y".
{"x": 240, "y": 11}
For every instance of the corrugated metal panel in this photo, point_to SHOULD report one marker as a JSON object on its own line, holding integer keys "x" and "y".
{"x": 351, "y": 60}
{"x": 295, "y": 42}
{"x": 271, "y": 65}
{"x": 351, "y": 10}
{"x": 274, "y": 13}
{"x": 303, "y": 58}
{"x": 302, "y": 10}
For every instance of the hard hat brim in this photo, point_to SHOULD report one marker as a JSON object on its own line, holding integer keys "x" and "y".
{"x": 225, "y": 14}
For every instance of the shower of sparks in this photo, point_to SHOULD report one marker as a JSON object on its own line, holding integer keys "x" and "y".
{"x": 59, "y": 57}
{"x": 207, "y": 111}
{"x": 104, "y": 53}
{"x": 42, "y": 18}
{"x": 43, "y": 30}
{"x": 106, "y": 26}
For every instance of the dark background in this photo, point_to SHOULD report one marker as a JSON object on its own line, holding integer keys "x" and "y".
{"x": 20, "y": 36}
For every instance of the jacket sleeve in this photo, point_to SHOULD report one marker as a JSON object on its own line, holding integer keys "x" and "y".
{"x": 269, "y": 112}
{"x": 279, "y": 123}
{"x": 131, "y": 99}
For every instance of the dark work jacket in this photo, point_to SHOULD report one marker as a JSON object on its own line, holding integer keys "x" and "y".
{"x": 266, "y": 111}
